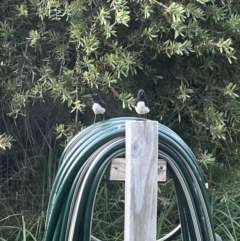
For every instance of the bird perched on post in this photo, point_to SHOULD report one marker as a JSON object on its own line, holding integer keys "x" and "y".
{"x": 99, "y": 106}
{"x": 141, "y": 103}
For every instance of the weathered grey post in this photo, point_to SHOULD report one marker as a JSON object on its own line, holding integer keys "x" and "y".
{"x": 141, "y": 181}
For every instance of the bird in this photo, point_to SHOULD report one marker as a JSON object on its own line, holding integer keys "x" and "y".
{"x": 141, "y": 103}
{"x": 99, "y": 106}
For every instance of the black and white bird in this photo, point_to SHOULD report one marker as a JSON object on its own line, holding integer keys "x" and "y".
{"x": 141, "y": 103}
{"x": 99, "y": 106}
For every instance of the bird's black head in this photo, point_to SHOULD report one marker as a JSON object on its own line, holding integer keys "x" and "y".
{"x": 141, "y": 92}
{"x": 95, "y": 96}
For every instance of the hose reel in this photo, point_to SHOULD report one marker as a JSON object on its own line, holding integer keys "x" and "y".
{"x": 86, "y": 158}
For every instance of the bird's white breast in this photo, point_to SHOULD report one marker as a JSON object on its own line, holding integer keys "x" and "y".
{"x": 141, "y": 109}
{"x": 98, "y": 109}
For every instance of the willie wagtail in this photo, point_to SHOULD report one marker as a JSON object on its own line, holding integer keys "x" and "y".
{"x": 141, "y": 103}
{"x": 99, "y": 106}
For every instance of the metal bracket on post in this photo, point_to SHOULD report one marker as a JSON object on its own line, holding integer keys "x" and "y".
{"x": 117, "y": 170}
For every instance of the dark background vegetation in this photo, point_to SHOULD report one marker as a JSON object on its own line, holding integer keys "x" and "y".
{"x": 55, "y": 53}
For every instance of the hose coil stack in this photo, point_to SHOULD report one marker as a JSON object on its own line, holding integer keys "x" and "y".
{"x": 83, "y": 163}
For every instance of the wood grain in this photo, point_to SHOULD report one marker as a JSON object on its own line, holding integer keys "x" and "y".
{"x": 141, "y": 181}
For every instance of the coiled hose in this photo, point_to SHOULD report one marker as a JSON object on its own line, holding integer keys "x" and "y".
{"x": 81, "y": 168}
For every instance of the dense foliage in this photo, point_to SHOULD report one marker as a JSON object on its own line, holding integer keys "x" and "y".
{"x": 55, "y": 53}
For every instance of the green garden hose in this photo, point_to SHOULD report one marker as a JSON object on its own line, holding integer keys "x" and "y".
{"x": 81, "y": 168}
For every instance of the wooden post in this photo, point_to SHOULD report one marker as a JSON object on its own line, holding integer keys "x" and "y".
{"x": 141, "y": 181}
